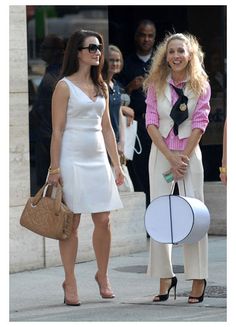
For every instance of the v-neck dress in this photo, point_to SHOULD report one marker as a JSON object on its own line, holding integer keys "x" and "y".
{"x": 88, "y": 182}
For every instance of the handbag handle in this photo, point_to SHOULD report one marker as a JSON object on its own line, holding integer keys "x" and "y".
{"x": 58, "y": 199}
{"x": 42, "y": 193}
{"x": 173, "y": 187}
{"x": 139, "y": 144}
{"x": 38, "y": 195}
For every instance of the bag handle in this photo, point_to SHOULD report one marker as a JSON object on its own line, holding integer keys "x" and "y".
{"x": 173, "y": 187}
{"x": 58, "y": 200}
{"x": 38, "y": 195}
{"x": 42, "y": 193}
{"x": 140, "y": 146}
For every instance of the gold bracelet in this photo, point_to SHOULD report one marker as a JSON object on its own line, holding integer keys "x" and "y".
{"x": 54, "y": 171}
{"x": 222, "y": 170}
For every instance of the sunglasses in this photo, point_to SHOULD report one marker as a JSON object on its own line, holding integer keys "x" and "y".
{"x": 93, "y": 48}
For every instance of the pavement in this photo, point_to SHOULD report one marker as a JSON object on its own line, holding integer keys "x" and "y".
{"x": 36, "y": 296}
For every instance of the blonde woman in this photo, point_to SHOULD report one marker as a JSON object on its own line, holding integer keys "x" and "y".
{"x": 178, "y": 95}
{"x": 117, "y": 110}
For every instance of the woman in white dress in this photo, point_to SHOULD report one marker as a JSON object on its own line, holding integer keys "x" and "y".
{"x": 82, "y": 135}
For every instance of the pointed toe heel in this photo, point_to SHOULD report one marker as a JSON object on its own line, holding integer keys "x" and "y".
{"x": 105, "y": 292}
{"x": 198, "y": 299}
{"x": 164, "y": 297}
{"x": 74, "y": 301}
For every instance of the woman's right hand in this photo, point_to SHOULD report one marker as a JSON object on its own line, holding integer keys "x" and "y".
{"x": 179, "y": 165}
{"x": 119, "y": 175}
{"x": 128, "y": 113}
{"x": 135, "y": 84}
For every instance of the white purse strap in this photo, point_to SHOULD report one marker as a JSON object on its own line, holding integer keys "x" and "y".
{"x": 173, "y": 187}
{"x": 140, "y": 146}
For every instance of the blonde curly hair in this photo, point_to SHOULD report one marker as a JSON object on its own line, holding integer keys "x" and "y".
{"x": 195, "y": 69}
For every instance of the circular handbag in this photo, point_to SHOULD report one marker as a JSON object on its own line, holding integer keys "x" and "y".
{"x": 177, "y": 219}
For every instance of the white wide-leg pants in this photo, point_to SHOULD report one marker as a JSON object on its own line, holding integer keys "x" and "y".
{"x": 195, "y": 255}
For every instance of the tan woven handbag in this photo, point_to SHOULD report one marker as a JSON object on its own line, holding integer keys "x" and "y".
{"x": 48, "y": 216}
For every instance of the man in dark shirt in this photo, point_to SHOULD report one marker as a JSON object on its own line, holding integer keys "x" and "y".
{"x": 51, "y": 51}
{"x": 135, "y": 68}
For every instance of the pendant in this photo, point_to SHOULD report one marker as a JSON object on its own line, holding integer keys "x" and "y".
{"x": 182, "y": 107}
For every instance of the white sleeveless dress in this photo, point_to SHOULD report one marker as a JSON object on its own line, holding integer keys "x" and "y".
{"x": 88, "y": 182}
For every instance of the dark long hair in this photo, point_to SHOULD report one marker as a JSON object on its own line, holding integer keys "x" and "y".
{"x": 71, "y": 63}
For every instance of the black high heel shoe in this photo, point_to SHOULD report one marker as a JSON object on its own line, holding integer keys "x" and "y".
{"x": 164, "y": 297}
{"x": 198, "y": 298}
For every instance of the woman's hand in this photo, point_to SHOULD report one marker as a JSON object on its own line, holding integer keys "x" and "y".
{"x": 177, "y": 174}
{"x": 135, "y": 84}
{"x": 179, "y": 165}
{"x": 223, "y": 178}
{"x": 119, "y": 175}
{"x": 128, "y": 113}
{"x": 120, "y": 147}
{"x": 223, "y": 175}
{"x": 54, "y": 179}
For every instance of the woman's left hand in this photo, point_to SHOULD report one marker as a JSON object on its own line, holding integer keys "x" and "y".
{"x": 120, "y": 147}
{"x": 119, "y": 175}
{"x": 223, "y": 177}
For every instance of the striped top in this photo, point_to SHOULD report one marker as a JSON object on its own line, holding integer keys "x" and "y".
{"x": 199, "y": 119}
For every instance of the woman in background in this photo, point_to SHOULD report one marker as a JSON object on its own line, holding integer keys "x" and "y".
{"x": 117, "y": 110}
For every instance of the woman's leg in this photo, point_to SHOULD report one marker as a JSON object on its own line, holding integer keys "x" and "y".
{"x": 196, "y": 255}
{"x": 68, "y": 251}
{"x": 102, "y": 245}
{"x": 196, "y": 266}
{"x": 160, "y": 263}
{"x": 160, "y": 266}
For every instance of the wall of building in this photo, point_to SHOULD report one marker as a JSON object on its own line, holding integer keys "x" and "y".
{"x": 21, "y": 255}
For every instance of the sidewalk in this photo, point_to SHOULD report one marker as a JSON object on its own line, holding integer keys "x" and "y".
{"x": 37, "y": 295}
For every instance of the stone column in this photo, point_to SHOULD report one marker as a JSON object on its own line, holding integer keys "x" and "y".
{"x": 26, "y": 249}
